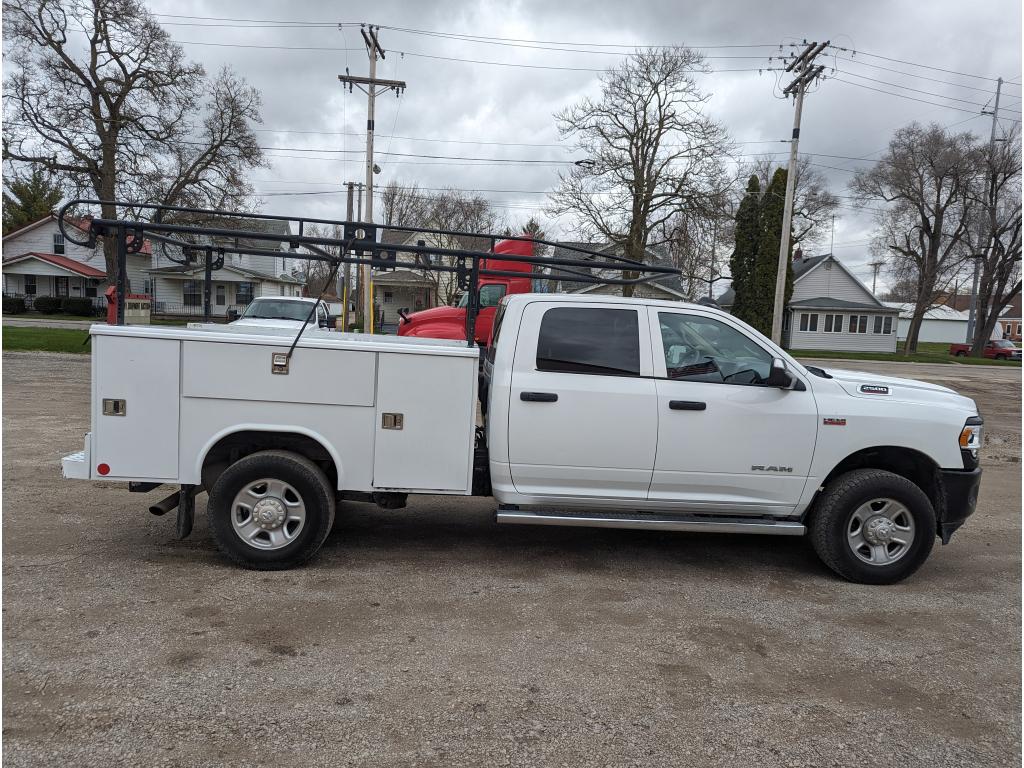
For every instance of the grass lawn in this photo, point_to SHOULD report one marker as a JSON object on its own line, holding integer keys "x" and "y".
{"x": 927, "y": 352}
{"x": 46, "y": 339}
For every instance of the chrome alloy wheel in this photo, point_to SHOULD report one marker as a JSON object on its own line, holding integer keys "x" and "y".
{"x": 268, "y": 514}
{"x": 880, "y": 532}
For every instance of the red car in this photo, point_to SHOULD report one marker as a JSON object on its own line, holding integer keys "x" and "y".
{"x": 997, "y": 350}
{"x": 450, "y": 322}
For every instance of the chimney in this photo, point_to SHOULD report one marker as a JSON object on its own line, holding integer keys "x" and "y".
{"x": 798, "y": 254}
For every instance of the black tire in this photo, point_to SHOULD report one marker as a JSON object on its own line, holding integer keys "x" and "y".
{"x": 961, "y": 353}
{"x": 1000, "y": 357}
{"x": 297, "y": 471}
{"x": 833, "y": 514}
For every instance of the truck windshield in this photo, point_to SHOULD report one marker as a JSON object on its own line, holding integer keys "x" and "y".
{"x": 278, "y": 309}
{"x": 1003, "y": 344}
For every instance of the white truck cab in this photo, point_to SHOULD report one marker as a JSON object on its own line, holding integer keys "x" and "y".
{"x": 597, "y": 411}
{"x": 282, "y": 312}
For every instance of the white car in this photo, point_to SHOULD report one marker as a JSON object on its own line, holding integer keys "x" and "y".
{"x": 282, "y": 312}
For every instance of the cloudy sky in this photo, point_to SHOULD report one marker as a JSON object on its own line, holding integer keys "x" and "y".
{"x": 493, "y": 96}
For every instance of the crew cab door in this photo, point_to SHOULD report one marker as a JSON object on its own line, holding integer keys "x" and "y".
{"x": 726, "y": 441}
{"x": 582, "y": 412}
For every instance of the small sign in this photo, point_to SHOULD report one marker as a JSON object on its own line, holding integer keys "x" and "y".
{"x": 874, "y": 389}
{"x": 137, "y": 308}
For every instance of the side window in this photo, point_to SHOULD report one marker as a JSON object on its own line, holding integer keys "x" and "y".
{"x": 589, "y": 340}
{"x": 490, "y": 295}
{"x": 699, "y": 348}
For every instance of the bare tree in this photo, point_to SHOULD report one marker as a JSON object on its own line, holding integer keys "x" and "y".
{"x": 651, "y": 152}
{"x": 318, "y": 272}
{"x": 699, "y": 245}
{"x": 813, "y": 202}
{"x": 450, "y": 209}
{"x": 97, "y": 92}
{"x": 995, "y": 236}
{"x": 926, "y": 176}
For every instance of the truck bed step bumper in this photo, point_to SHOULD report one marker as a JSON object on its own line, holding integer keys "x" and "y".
{"x": 76, "y": 466}
{"x": 652, "y": 522}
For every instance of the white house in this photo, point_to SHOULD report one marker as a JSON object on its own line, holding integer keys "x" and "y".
{"x": 37, "y": 261}
{"x": 940, "y": 324}
{"x": 831, "y": 309}
{"x": 668, "y": 288}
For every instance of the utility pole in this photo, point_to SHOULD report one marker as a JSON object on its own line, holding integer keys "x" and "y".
{"x": 973, "y": 314}
{"x": 371, "y": 86}
{"x": 806, "y": 72}
{"x": 345, "y": 280}
{"x": 875, "y": 266}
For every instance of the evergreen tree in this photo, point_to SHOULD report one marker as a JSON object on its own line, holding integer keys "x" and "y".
{"x": 767, "y": 265}
{"x": 743, "y": 262}
{"x": 27, "y": 199}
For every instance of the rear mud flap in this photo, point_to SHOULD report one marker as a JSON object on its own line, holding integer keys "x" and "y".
{"x": 186, "y": 511}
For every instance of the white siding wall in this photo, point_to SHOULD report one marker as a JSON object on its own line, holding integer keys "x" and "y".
{"x": 844, "y": 340}
{"x": 40, "y": 240}
{"x": 830, "y": 280}
{"x": 945, "y": 331}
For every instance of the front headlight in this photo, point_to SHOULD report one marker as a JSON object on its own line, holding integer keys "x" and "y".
{"x": 970, "y": 441}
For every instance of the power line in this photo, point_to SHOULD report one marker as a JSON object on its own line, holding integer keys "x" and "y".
{"x": 915, "y": 90}
{"x": 855, "y": 52}
{"x": 910, "y": 74}
{"x": 899, "y": 95}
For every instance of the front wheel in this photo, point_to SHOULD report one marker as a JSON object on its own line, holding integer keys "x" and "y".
{"x": 1000, "y": 357}
{"x": 961, "y": 353}
{"x": 873, "y": 527}
{"x": 271, "y": 510}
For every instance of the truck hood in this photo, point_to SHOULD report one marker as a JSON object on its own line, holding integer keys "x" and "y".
{"x": 255, "y": 322}
{"x": 872, "y": 385}
{"x": 439, "y": 322}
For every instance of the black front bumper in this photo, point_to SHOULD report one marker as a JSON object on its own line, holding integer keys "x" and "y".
{"x": 959, "y": 496}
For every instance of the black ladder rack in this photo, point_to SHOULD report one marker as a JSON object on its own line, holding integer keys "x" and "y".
{"x": 172, "y": 226}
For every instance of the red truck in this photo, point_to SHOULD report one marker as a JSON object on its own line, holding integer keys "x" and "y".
{"x": 1000, "y": 349}
{"x": 450, "y": 322}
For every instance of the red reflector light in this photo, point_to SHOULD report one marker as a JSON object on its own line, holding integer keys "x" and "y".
{"x": 103, "y": 469}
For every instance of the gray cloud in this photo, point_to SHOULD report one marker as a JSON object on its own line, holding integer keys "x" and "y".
{"x": 485, "y": 103}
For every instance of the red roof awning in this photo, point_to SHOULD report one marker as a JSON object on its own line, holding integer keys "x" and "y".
{"x": 63, "y": 262}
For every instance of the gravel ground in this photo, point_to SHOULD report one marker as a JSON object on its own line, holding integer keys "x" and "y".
{"x": 430, "y": 636}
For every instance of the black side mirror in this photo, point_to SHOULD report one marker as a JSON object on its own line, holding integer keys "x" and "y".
{"x": 780, "y": 377}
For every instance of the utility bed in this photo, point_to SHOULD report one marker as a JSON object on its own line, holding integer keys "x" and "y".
{"x": 394, "y": 414}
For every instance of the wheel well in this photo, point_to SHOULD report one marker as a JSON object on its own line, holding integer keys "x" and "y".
{"x": 918, "y": 468}
{"x": 237, "y": 445}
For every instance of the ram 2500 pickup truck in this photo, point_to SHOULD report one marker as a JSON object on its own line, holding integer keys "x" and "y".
{"x": 609, "y": 412}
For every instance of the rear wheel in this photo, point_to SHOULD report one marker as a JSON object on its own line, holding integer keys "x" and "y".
{"x": 961, "y": 353}
{"x": 873, "y": 527}
{"x": 271, "y": 510}
{"x": 1000, "y": 357}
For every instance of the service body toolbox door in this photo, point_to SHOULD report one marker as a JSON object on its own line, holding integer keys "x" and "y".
{"x": 582, "y": 416}
{"x": 135, "y": 407}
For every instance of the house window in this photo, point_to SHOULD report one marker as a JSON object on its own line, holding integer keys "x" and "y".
{"x": 887, "y": 325}
{"x": 243, "y": 293}
{"x": 58, "y": 243}
{"x": 221, "y": 296}
{"x": 858, "y": 324}
{"x": 30, "y": 285}
{"x": 388, "y": 296}
{"x": 877, "y": 325}
{"x": 809, "y": 322}
{"x": 90, "y": 288}
{"x": 191, "y": 293}
{"x": 785, "y": 321}
{"x": 60, "y": 286}
{"x": 833, "y": 323}
{"x": 280, "y": 290}
{"x": 147, "y": 286}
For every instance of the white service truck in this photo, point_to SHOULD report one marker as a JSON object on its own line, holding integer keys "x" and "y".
{"x": 596, "y": 411}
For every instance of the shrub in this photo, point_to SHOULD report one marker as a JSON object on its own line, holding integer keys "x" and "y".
{"x": 78, "y": 306}
{"x": 46, "y": 304}
{"x": 13, "y": 306}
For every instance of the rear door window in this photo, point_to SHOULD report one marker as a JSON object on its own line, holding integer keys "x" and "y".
{"x": 590, "y": 340}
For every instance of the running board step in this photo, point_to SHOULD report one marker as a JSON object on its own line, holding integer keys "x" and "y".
{"x": 705, "y": 523}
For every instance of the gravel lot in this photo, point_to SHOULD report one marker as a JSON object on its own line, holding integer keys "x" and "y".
{"x": 430, "y": 636}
